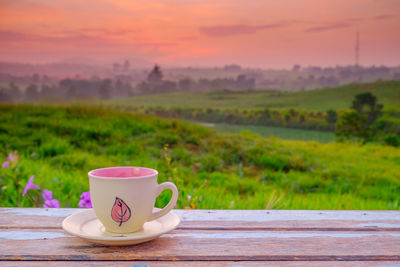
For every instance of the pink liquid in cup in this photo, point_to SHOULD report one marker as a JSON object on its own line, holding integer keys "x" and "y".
{"x": 123, "y": 172}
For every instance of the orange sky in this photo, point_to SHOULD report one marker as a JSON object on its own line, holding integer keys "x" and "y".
{"x": 259, "y": 33}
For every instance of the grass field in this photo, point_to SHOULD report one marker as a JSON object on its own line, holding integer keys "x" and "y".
{"x": 212, "y": 170}
{"x": 388, "y": 93}
{"x": 278, "y": 132}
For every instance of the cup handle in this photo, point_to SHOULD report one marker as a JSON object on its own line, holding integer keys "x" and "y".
{"x": 171, "y": 204}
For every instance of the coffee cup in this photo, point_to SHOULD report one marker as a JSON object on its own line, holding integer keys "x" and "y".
{"x": 123, "y": 198}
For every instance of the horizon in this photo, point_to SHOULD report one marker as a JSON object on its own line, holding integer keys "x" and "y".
{"x": 169, "y": 67}
{"x": 201, "y": 33}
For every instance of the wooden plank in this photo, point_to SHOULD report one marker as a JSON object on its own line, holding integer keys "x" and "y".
{"x": 200, "y": 263}
{"x": 272, "y": 220}
{"x": 202, "y": 245}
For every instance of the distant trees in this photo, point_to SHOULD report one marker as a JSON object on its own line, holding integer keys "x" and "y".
{"x": 352, "y": 125}
{"x": 296, "y": 67}
{"x": 186, "y": 84}
{"x": 267, "y": 117}
{"x": 48, "y": 92}
{"x": 155, "y": 76}
{"x": 331, "y": 116}
{"x": 292, "y": 79}
{"x": 35, "y": 78}
{"x": 243, "y": 83}
{"x": 126, "y": 65}
{"x": 10, "y": 94}
{"x": 156, "y": 84}
{"x": 5, "y": 95}
{"x": 105, "y": 90}
{"x": 392, "y": 139}
{"x": 359, "y": 123}
{"x": 32, "y": 92}
{"x": 94, "y": 88}
{"x": 366, "y": 104}
{"x": 328, "y": 81}
{"x": 15, "y": 92}
{"x": 71, "y": 92}
{"x": 232, "y": 67}
{"x": 67, "y": 89}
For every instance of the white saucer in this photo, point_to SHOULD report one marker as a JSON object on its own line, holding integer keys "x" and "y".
{"x": 86, "y": 225}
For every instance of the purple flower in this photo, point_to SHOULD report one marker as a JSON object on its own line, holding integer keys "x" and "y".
{"x": 30, "y": 185}
{"x": 47, "y": 194}
{"x": 12, "y": 158}
{"x": 85, "y": 201}
{"x": 5, "y": 164}
{"x": 51, "y": 203}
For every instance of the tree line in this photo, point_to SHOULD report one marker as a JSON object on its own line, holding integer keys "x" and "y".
{"x": 365, "y": 121}
{"x": 155, "y": 83}
{"x": 72, "y": 89}
{"x": 66, "y": 89}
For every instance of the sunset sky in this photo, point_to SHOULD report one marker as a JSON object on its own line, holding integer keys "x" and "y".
{"x": 268, "y": 33}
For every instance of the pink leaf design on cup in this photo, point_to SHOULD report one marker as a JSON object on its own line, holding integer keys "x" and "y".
{"x": 120, "y": 211}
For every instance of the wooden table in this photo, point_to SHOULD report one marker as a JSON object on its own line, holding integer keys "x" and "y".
{"x": 33, "y": 236}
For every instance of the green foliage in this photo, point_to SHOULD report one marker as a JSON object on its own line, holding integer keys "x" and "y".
{"x": 352, "y": 125}
{"x": 264, "y": 117}
{"x": 392, "y": 140}
{"x": 361, "y": 121}
{"x": 366, "y": 104}
{"x": 210, "y": 163}
{"x": 59, "y": 145}
{"x": 331, "y": 116}
{"x": 52, "y": 147}
{"x": 273, "y": 162}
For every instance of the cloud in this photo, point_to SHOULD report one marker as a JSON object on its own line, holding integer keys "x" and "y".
{"x": 384, "y": 16}
{"x": 187, "y": 38}
{"x": 329, "y": 27}
{"x": 347, "y": 23}
{"x": 237, "y": 29}
{"x": 24, "y": 38}
{"x": 78, "y": 41}
{"x": 11, "y": 36}
{"x": 94, "y": 32}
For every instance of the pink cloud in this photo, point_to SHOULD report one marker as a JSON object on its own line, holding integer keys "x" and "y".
{"x": 11, "y": 36}
{"x": 384, "y": 16}
{"x": 102, "y": 31}
{"x": 76, "y": 40}
{"x": 328, "y": 27}
{"x": 39, "y": 48}
{"x": 237, "y": 29}
{"x": 188, "y": 38}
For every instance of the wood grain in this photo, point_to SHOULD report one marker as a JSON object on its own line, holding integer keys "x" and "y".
{"x": 271, "y": 220}
{"x": 206, "y": 245}
{"x": 201, "y": 263}
{"x": 215, "y": 238}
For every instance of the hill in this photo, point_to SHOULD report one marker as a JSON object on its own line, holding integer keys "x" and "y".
{"x": 388, "y": 93}
{"x": 59, "y": 145}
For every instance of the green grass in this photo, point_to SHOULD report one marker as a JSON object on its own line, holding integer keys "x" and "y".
{"x": 278, "y": 132}
{"x": 388, "y": 93}
{"x": 59, "y": 145}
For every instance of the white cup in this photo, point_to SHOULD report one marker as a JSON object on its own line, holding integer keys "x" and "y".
{"x": 123, "y": 197}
